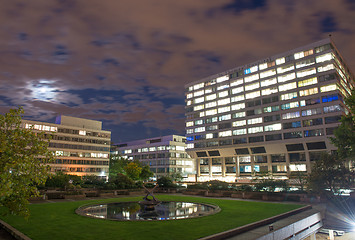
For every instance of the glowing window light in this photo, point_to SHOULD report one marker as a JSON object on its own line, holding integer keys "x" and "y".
{"x": 252, "y": 86}
{"x": 189, "y": 124}
{"x": 252, "y": 95}
{"x": 237, "y": 82}
{"x": 280, "y": 61}
{"x": 211, "y": 104}
{"x": 223, "y": 101}
{"x": 255, "y": 121}
{"x": 211, "y": 97}
{"x": 306, "y": 72}
{"x": 222, "y": 79}
{"x": 239, "y": 123}
{"x": 251, "y": 78}
{"x": 287, "y": 86}
{"x": 255, "y": 130}
{"x": 267, "y": 73}
{"x": 287, "y": 77}
{"x": 198, "y": 86}
{"x": 324, "y": 57}
{"x": 273, "y": 127}
{"x": 268, "y": 82}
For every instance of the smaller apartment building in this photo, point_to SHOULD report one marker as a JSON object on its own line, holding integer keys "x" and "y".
{"x": 164, "y": 155}
{"x": 80, "y": 145}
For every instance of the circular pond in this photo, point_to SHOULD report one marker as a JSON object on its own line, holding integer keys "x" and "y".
{"x": 132, "y": 211}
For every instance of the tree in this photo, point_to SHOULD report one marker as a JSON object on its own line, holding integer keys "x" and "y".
{"x": 133, "y": 170}
{"x": 117, "y": 164}
{"x": 145, "y": 173}
{"x": 23, "y": 158}
{"x": 165, "y": 182}
{"x": 329, "y": 172}
{"x": 344, "y": 138}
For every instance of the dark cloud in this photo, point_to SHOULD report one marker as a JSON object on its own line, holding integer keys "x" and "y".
{"x": 126, "y": 62}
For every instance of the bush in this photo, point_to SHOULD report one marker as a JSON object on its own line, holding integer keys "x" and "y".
{"x": 61, "y": 180}
{"x": 217, "y": 185}
{"x": 122, "y": 181}
{"x": 166, "y": 182}
{"x": 93, "y": 181}
{"x": 245, "y": 188}
{"x": 270, "y": 185}
{"x": 197, "y": 186}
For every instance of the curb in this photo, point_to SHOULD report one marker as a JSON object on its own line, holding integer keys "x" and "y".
{"x": 13, "y": 231}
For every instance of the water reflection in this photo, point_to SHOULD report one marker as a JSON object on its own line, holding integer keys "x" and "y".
{"x": 132, "y": 211}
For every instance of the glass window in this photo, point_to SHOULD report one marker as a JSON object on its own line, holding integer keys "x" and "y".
{"x": 255, "y": 130}
{"x": 237, "y": 90}
{"x": 224, "y": 109}
{"x": 288, "y": 125}
{"x": 288, "y": 96}
{"x": 272, "y": 118}
{"x": 240, "y": 131}
{"x": 312, "y": 122}
{"x": 298, "y": 168}
{"x": 211, "y": 97}
{"x": 252, "y": 86}
{"x": 238, "y": 115}
{"x": 198, "y": 86}
{"x": 237, "y": 82}
{"x": 307, "y": 92}
{"x": 305, "y": 63}
{"x": 238, "y": 106}
{"x": 255, "y": 120}
{"x": 324, "y": 57}
{"x": 286, "y": 68}
{"x": 328, "y": 88}
{"x": 222, "y": 78}
{"x": 333, "y": 119}
{"x": 256, "y": 139}
{"x": 223, "y": 101}
{"x": 290, "y": 115}
{"x": 269, "y": 91}
{"x": 237, "y": 98}
{"x": 313, "y": 133}
{"x": 273, "y": 127}
{"x": 199, "y": 107}
{"x": 287, "y": 77}
{"x": 211, "y": 104}
{"x": 278, "y": 158}
{"x": 224, "y": 117}
{"x": 223, "y": 94}
{"x": 221, "y": 87}
{"x": 291, "y": 135}
{"x": 307, "y": 82}
{"x": 325, "y": 68}
{"x": 211, "y": 112}
{"x": 332, "y": 108}
{"x": 268, "y": 82}
{"x": 239, "y": 123}
{"x": 280, "y": 61}
{"x": 330, "y": 98}
{"x": 288, "y": 86}
{"x": 313, "y": 111}
{"x": 268, "y": 73}
{"x": 289, "y": 105}
{"x": 271, "y": 109}
{"x": 189, "y": 124}
{"x": 225, "y": 133}
{"x": 251, "y": 78}
{"x": 252, "y": 95}
{"x": 199, "y": 93}
{"x": 200, "y": 129}
{"x": 306, "y": 72}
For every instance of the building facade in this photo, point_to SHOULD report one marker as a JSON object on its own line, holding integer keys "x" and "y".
{"x": 164, "y": 155}
{"x": 273, "y": 116}
{"x": 80, "y": 145}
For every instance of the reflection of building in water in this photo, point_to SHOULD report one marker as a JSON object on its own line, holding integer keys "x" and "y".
{"x": 99, "y": 211}
{"x": 80, "y": 145}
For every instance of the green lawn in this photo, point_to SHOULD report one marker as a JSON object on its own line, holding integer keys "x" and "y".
{"x": 59, "y": 221}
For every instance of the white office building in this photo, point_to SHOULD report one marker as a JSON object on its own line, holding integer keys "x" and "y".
{"x": 271, "y": 116}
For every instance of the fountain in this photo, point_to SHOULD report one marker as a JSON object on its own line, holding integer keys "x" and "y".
{"x": 149, "y": 208}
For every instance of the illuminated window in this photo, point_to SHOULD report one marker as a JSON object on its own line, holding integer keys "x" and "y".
{"x": 262, "y": 66}
{"x": 222, "y": 79}
{"x": 189, "y": 131}
{"x": 308, "y": 92}
{"x": 199, "y": 122}
{"x": 290, "y": 115}
{"x": 211, "y": 127}
{"x": 280, "y": 61}
{"x": 237, "y": 98}
{"x": 82, "y": 132}
{"x": 202, "y": 114}
{"x": 209, "y": 135}
{"x": 328, "y": 88}
{"x": 268, "y": 82}
{"x": 239, "y": 123}
{"x": 211, "y": 120}
{"x": 237, "y": 106}
{"x": 211, "y": 97}
{"x": 225, "y": 133}
{"x": 252, "y": 86}
{"x": 188, "y": 103}
{"x": 289, "y": 105}
{"x": 211, "y": 104}
{"x": 267, "y": 73}
{"x": 200, "y": 129}
{"x": 199, "y": 93}
{"x": 331, "y": 98}
{"x": 199, "y": 107}
{"x": 237, "y": 90}
{"x": 224, "y": 109}
{"x": 240, "y": 131}
{"x": 224, "y": 117}
{"x": 269, "y": 91}
{"x": 198, "y": 86}
{"x": 286, "y": 68}
{"x": 251, "y": 78}
{"x": 287, "y": 77}
{"x": 287, "y": 86}
{"x": 333, "y": 108}
{"x": 255, "y": 121}
{"x": 191, "y": 88}
{"x": 303, "y": 54}
{"x": 324, "y": 57}
{"x": 310, "y": 112}
{"x": 238, "y": 115}
{"x": 305, "y": 63}
{"x": 237, "y": 82}
{"x": 221, "y": 87}
{"x": 189, "y": 95}
{"x": 271, "y": 109}
{"x": 325, "y": 68}
{"x": 306, "y": 72}
{"x": 223, "y": 94}
{"x": 255, "y": 130}
{"x": 223, "y": 101}
{"x": 252, "y": 95}
{"x": 307, "y": 82}
{"x": 273, "y": 127}
{"x": 209, "y": 90}
{"x": 298, "y": 168}
{"x": 313, "y": 133}
{"x": 189, "y": 124}
{"x": 199, "y": 100}
{"x": 211, "y": 112}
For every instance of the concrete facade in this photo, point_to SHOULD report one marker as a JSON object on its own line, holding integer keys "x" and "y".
{"x": 273, "y": 116}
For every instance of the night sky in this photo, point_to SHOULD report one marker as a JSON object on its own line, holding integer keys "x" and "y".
{"x": 125, "y": 62}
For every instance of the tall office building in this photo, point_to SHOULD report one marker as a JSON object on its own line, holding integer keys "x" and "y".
{"x": 272, "y": 116}
{"x": 164, "y": 155}
{"x": 80, "y": 145}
